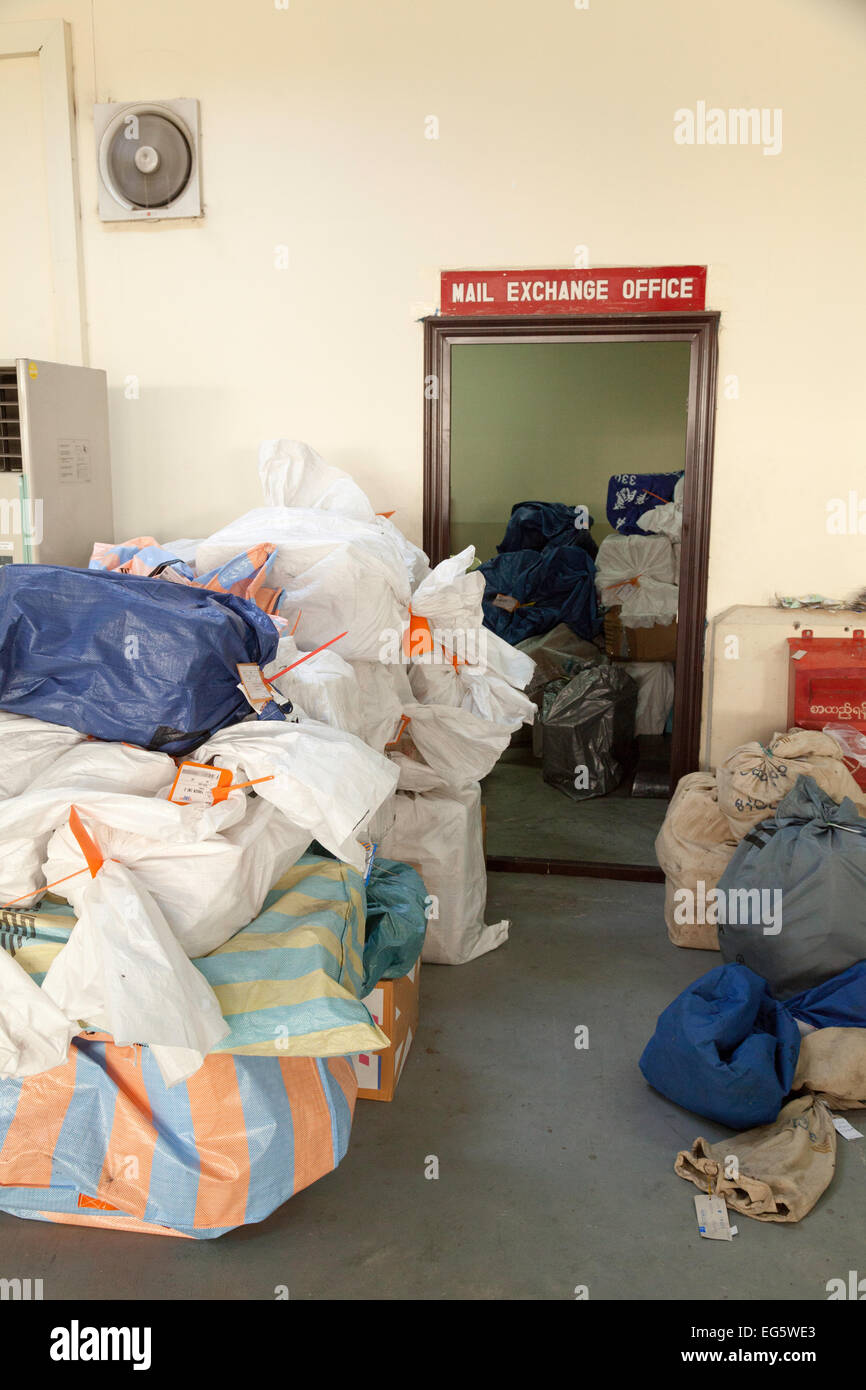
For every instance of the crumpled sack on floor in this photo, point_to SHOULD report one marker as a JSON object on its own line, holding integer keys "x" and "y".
{"x": 753, "y": 779}
{"x": 725, "y": 1049}
{"x": 783, "y": 1167}
{"x": 832, "y": 1066}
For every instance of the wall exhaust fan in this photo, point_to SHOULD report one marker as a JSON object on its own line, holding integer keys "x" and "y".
{"x": 148, "y": 154}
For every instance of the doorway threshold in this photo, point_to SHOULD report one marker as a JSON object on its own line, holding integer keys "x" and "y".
{"x": 575, "y": 868}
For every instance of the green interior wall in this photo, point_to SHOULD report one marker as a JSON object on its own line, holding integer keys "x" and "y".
{"x": 551, "y": 422}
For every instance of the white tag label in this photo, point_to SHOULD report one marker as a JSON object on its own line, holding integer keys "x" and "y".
{"x": 712, "y": 1217}
{"x": 505, "y": 601}
{"x": 254, "y": 685}
{"x": 74, "y": 459}
{"x": 194, "y": 783}
{"x": 841, "y": 1126}
{"x": 797, "y": 656}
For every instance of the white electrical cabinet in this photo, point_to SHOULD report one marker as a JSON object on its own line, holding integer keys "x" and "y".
{"x": 55, "y": 475}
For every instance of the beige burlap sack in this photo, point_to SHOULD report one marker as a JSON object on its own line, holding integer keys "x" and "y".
{"x": 753, "y": 779}
{"x": 778, "y": 1171}
{"x": 832, "y": 1065}
{"x": 693, "y": 848}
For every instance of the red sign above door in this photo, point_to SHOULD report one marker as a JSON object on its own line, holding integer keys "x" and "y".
{"x": 624, "y": 290}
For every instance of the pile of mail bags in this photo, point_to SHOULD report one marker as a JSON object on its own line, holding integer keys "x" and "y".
{"x": 178, "y": 728}
{"x": 711, "y": 813}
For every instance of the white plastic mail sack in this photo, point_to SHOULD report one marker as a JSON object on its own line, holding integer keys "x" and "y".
{"x": 450, "y": 599}
{"x": 90, "y": 769}
{"x": 513, "y": 665}
{"x": 637, "y": 573}
{"x": 339, "y": 575}
{"x": 206, "y": 890}
{"x": 34, "y": 1032}
{"x": 439, "y": 833}
{"x": 655, "y": 694}
{"x": 457, "y": 745}
{"x": 324, "y": 686}
{"x": 124, "y": 971}
{"x": 666, "y": 520}
{"x": 384, "y": 693}
{"x": 294, "y": 475}
{"x": 417, "y": 564}
{"x": 27, "y": 748}
{"x": 323, "y": 780}
{"x": 480, "y": 690}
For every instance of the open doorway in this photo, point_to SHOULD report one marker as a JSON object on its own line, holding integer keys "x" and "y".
{"x": 575, "y": 456}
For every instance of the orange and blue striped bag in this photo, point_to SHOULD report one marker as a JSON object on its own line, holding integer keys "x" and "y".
{"x": 101, "y": 1141}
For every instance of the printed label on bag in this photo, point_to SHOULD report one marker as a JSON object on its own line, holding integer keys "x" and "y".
{"x": 712, "y": 1215}
{"x": 506, "y": 601}
{"x": 254, "y": 685}
{"x": 196, "y": 782}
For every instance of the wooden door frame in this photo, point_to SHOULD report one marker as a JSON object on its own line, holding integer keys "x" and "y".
{"x": 700, "y": 331}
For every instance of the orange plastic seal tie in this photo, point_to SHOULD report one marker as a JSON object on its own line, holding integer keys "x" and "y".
{"x": 46, "y": 889}
{"x": 417, "y": 639}
{"x": 222, "y": 792}
{"x": 385, "y": 514}
{"x": 305, "y": 657}
{"x": 87, "y": 845}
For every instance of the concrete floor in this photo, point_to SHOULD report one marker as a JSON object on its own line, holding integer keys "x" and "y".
{"x": 555, "y": 1165}
{"x": 528, "y": 817}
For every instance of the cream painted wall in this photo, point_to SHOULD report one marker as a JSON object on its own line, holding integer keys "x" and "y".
{"x": 556, "y": 129}
{"x": 27, "y": 325}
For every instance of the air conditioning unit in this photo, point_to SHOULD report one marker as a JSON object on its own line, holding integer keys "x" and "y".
{"x": 55, "y": 477}
{"x": 148, "y": 153}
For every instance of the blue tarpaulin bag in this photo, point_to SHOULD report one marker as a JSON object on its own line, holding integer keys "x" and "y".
{"x": 552, "y": 586}
{"x": 535, "y": 525}
{"x": 629, "y": 495}
{"x": 125, "y": 658}
{"x": 725, "y": 1049}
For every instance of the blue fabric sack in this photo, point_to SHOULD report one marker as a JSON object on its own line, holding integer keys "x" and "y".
{"x": 725, "y": 1049}
{"x": 125, "y": 658}
{"x": 837, "y": 1003}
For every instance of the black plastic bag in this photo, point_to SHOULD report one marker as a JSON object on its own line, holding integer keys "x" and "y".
{"x": 589, "y": 732}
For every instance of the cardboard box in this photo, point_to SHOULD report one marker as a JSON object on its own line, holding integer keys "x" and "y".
{"x": 657, "y": 643}
{"x": 394, "y": 1006}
